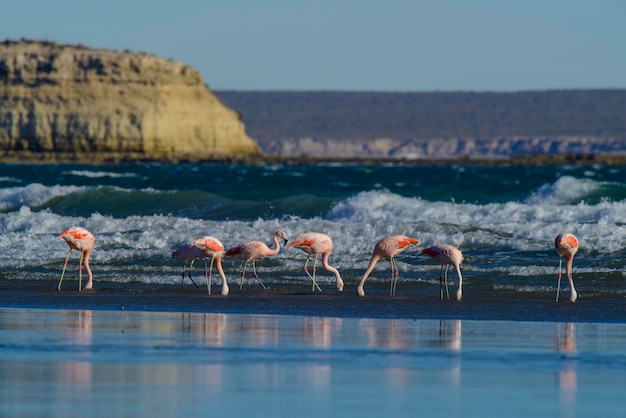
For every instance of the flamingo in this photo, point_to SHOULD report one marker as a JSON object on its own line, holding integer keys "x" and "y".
{"x": 213, "y": 248}
{"x": 566, "y": 246}
{"x": 447, "y": 255}
{"x": 317, "y": 243}
{"x": 387, "y": 248}
{"x": 188, "y": 253}
{"x": 252, "y": 250}
{"x": 82, "y": 240}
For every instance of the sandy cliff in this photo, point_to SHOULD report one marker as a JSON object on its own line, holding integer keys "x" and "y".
{"x": 60, "y": 102}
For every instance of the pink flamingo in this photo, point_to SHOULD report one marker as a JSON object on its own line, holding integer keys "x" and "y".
{"x": 213, "y": 248}
{"x": 566, "y": 246}
{"x": 317, "y": 243}
{"x": 447, "y": 255}
{"x": 252, "y": 250}
{"x": 188, "y": 253}
{"x": 387, "y": 248}
{"x": 82, "y": 240}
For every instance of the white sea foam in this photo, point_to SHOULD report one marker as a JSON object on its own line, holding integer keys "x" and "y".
{"x": 10, "y": 180}
{"x": 565, "y": 190}
{"x": 517, "y": 225}
{"x": 139, "y": 247}
{"x": 34, "y": 194}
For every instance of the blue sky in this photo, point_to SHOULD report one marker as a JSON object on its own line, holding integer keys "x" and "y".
{"x": 366, "y": 45}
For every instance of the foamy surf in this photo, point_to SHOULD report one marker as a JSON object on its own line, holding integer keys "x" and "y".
{"x": 138, "y": 221}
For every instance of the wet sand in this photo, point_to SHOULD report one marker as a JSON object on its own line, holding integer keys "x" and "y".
{"x": 58, "y": 362}
{"x": 420, "y": 301}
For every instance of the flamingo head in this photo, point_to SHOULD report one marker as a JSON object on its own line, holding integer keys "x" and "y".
{"x": 282, "y": 235}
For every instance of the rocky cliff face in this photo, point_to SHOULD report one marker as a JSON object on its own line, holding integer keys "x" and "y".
{"x": 60, "y": 102}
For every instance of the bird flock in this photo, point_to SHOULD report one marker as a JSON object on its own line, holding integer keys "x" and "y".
{"x": 313, "y": 244}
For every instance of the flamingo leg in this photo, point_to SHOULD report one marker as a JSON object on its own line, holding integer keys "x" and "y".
{"x": 206, "y": 275}
{"x": 568, "y": 269}
{"x": 256, "y": 276}
{"x": 189, "y": 273}
{"x": 314, "y": 272}
{"x": 445, "y": 280}
{"x": 183, "y": 279}
{"x": 391, "y": 278}
{"x": 441, "y": 280}
{"x": 314, "y": 269}
{"x": 64, "y": 267}
{"x": 558, "y": 286}
{"x": 309, "y": 274}
{"x": 209, "y": 277}
{"x": 306, "y": 270}
{"x": 80, "y": 271}
{"x": 306, "y": 263}
{"x": 205, "y": 272}
{"x": 243, "y": 273}
{"x": 394, "y": 276}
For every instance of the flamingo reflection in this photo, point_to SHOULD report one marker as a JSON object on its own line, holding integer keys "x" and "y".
{"x": 79, "y": 329}
{"x": 207, "y": 330}
{"x": 450, "y": 339}
{"x": 568, "y": 377}
{"x": 318, "y": 332}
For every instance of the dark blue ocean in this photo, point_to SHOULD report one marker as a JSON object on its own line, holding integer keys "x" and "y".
{"x": 503, "y": 218}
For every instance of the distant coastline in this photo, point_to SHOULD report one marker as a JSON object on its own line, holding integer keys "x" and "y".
{"x": 562, "y": 124}
{"x": 537, "y": 159}
{"x": 540, "y": 159}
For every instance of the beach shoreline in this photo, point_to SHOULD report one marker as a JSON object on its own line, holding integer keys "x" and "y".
{"x": 616, "y": 159}
{"x": 413, "y": 303}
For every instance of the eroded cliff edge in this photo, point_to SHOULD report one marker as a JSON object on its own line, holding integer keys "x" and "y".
{"x": 71, "y": 103}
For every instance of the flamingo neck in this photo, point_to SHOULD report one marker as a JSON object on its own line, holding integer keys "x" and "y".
{"x": 332, "y": 269}
{"x": 568, "y": 265}
{"x": 218, "y": 265}
{"x": 366, "y": 274}
{"x": 86, "y": 255}
{"x": 276, "y": 249}
{"x": 568, "y": 270}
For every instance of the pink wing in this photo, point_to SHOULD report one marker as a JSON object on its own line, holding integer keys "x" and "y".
{"x": 236, "y": 250}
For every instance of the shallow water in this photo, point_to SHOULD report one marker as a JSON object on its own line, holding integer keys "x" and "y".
{"x": 104, "y": 363}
